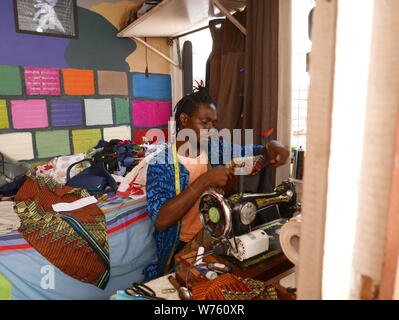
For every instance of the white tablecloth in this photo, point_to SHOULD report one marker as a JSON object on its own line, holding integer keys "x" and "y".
{"x": 163, "y": 283}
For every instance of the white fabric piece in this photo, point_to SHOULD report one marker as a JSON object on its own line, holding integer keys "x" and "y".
{"x": 134, "y": 183}
{"x": 117, "y": 178}
{"x": 65, "y": 206}
{"x": 9, "y": 220}
{"x": 162, "y": 283}
{"x": 57, "y": 167}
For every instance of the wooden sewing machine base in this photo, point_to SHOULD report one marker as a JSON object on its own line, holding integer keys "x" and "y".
{"x": 270, "y": 271}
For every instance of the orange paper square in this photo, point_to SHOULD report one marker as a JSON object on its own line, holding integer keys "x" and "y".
{"x": 78, "y": 82}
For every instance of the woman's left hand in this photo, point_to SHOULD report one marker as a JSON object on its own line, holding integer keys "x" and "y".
{"x": 278, "y": 153}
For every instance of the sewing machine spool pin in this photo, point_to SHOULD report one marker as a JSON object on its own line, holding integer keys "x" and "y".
{"x": 241, "y": 184}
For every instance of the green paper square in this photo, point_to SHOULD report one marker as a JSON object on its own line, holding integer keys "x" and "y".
{"x": 10, "y": 80}
{"x": 52, "y": 143}
{"x": 122, "y": 112}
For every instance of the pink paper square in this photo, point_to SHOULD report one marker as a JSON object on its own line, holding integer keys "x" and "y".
{"x": 151, "y": 113}
{"x": 29, "y": 114}
{"x": 42, "y": 81}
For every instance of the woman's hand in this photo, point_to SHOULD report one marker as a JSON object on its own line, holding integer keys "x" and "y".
{"x": 217, "y": 177}
{"x": 278, "y": 154}
{"x": 174, "y": 209}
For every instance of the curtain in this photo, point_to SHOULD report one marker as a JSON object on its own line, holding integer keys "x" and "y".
{"x": 261, "y": 68}
{"x": 243, "y": 78}
{"x": 260, "y": 108}
{"x": 243, "y": 72}
{"x": 225, "y": 76}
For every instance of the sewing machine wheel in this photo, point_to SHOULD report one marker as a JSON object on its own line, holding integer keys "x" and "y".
{"x": 248, "y": 213}
{"x": 215, "y": 214}
{"x": 239, "y": 214}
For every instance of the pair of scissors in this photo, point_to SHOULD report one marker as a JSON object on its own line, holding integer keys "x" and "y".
{"x": 142, "y": 292}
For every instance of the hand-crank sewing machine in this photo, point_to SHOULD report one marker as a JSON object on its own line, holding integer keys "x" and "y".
{"x": 247, "y": 226}
{"x": 244, "y": 234}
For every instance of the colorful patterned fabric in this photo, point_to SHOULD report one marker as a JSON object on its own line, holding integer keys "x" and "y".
{"x": 256, "y": 163}
{"x": 76, "y": 241}
{"x": 161, "y": 188}
{"x": 231, "y": 287}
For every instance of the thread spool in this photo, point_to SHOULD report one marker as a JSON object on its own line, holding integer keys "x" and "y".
{"x": 290, "y": 235}
{"x": 218, "y": 267}
{"x": 200, "y": 254}
{"x": 211, "y": 275}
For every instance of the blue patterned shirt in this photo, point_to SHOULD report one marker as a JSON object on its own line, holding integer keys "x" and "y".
{"x": 161, "y": 188}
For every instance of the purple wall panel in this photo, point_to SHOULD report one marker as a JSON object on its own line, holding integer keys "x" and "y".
{"x": 66, "y": 113}
{"x": 21, "y": 49}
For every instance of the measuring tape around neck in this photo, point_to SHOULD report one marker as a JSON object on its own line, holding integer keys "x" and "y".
{"x": 177, "y": 185}
{"x": 177, "y": 171}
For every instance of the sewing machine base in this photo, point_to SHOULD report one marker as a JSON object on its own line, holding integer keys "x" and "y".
{"x": 261, "y": 270}
{"x": 254, "y": 261}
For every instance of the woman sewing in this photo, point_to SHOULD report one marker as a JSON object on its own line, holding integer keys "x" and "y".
{"x": 174, "y": 187}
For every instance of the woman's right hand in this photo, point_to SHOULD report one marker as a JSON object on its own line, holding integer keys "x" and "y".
{"x": 174, "y": 209}
{"x": 218, "y": 177}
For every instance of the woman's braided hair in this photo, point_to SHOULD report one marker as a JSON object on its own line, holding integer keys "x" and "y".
{"x": 189, "y": 103}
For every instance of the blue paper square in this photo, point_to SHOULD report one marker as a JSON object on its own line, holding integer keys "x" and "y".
{"x": 155, "y": 86}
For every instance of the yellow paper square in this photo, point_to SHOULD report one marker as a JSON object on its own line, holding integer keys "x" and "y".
{"x": 122, "y": 133}
{"x": 85, "y": 139}
{"x": 4, "y": 124}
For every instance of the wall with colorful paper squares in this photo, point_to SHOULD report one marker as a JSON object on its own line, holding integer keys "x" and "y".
{"x": 59, "y": 96}
{"x": 47, "y": 112}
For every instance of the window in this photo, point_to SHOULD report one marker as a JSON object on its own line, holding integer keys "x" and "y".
{"x": 202, "y": 47}
{"x": 301, "y": 45}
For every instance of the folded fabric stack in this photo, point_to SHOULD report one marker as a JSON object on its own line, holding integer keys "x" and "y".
{"x": 74, "y": 241}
